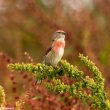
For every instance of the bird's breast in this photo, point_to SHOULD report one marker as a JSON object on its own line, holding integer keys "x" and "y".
{"x": 61, "y": 51}
{"x": 59, "y": 47}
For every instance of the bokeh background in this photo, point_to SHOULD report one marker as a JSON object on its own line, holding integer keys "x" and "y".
{"x": 28, "y": 25}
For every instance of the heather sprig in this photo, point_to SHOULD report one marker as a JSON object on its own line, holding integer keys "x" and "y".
{"x": 90, "y": 90}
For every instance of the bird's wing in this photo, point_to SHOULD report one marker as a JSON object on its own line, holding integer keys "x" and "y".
{"x": 46, "y": 54}
{"x": 49, "y": 49}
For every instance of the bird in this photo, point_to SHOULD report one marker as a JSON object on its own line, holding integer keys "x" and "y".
{"x": 55, "y": 52}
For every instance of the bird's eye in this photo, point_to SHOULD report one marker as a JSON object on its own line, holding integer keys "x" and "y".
{"x": 59, "y": 32}
{"x": 63, "y": 33}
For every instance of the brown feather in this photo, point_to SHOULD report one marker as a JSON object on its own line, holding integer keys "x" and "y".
{"x": 49, "y": 49}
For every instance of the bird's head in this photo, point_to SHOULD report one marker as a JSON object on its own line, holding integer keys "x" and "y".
{"x": 59, "y": 35}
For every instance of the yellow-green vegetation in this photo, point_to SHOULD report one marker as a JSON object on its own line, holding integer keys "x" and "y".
{"x": 2, "y": 96}
{"x": 96, "y": 97}
{"x": 19, "y": 104}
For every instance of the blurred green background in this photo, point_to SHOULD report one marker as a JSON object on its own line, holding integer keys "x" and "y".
{"x": 28, "y": 25}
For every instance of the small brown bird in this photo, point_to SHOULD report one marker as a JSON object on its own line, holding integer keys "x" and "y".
{"x": 56, "y": 51}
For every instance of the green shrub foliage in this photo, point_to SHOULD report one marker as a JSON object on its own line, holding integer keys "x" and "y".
{"x": 90, "y": 90}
